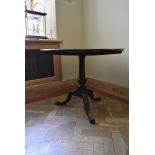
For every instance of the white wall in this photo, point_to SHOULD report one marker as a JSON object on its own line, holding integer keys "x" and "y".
{"x": 70, "y": 31}
{"x": 106, "y": 26}
{"x": 95, "y": 24}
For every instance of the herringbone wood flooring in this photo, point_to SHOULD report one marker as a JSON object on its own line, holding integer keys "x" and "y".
{"x": 65, "y": 130}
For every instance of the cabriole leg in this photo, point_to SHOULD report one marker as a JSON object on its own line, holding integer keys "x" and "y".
{"x": 68, "y": 98}
{"x": 85, "y": 98}
{"x": 91, "y": 95}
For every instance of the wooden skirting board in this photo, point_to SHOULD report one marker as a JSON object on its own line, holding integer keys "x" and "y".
{"x": 109, "y": 89}
{"x": 51, "y": 89}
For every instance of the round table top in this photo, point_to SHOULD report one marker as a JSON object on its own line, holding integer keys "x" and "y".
{"x": 82, "y": 51}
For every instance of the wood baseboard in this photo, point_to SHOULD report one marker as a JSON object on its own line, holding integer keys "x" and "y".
{"x": 51, "y": 89}
{"x": 112, "y": 90}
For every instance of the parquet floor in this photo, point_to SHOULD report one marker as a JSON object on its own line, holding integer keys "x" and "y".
{"x": 65, "y": 130}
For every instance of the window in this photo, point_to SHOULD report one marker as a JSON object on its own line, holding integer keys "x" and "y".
{"x": 40, "y": 20}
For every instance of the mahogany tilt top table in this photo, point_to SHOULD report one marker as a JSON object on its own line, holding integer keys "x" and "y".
{"x": 82, "y": 91}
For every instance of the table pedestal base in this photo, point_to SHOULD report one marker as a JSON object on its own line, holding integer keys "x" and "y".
{"x": 82, "y": 91}
{"x": 86, "y": 95}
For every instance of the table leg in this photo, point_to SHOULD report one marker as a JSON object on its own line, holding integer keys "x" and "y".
{"x": 85, "y": 98}
{"x": 91, "y": 95}
{"x": 68, "y": 98}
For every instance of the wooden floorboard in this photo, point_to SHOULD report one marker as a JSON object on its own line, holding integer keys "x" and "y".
{"x": 65, "y": 130}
